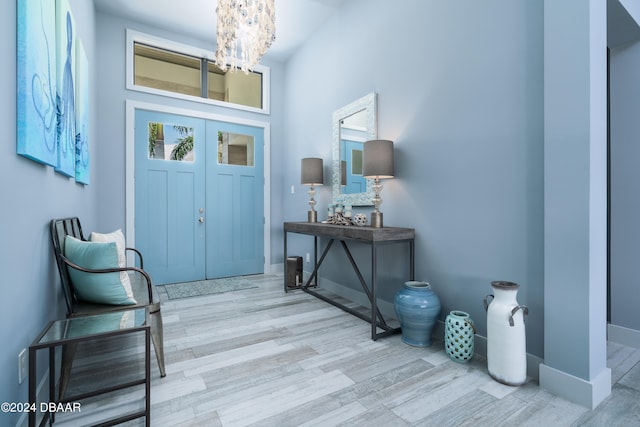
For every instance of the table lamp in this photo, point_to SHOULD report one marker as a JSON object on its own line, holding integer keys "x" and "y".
{"x": 377, "y": 159}
{"x": 311, "y": 174}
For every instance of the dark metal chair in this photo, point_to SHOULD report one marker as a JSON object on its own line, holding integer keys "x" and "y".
{"x": 141, "y": 285}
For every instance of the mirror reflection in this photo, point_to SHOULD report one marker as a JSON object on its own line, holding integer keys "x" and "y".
{"x": 353, "y": 134}
{"x": 353, "y": 124}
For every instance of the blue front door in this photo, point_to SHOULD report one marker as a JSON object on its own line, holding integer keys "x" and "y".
{"x": 170, "y": 195}
{"x": 235, "y": 175}
{"x": 198, "y": 197}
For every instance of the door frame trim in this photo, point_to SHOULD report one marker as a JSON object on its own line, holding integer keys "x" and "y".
{"x": 132, "y": 106}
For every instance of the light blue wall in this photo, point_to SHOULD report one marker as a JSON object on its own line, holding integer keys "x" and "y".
{"x": 625, "y": 176}
{"x": 459, "y": 89}
{"x": 31, "y": 196}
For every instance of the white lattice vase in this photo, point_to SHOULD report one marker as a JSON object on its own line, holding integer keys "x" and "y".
{"x": 506, "y": 339}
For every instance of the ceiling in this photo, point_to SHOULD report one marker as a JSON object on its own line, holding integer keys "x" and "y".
{"x": 296, "y": 20}
{"x": 622, "y": 26}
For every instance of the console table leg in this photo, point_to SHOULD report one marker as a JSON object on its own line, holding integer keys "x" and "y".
{"x": 412, "y": 260}
{"x": 363, "y": 283}
{"x": 315, "y": 257}
{"x": 285, "y": 263}
{"x": 374, "y": 296}
{"x": 314, "y": 273}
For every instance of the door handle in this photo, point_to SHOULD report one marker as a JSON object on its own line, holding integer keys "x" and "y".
{"x": 201, "y": 219}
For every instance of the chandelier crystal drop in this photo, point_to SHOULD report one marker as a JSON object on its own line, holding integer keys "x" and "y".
{"x": 246, "y": 29}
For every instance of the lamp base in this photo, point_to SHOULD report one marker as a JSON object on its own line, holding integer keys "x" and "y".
{"x": 376, "y": 219}
{"x": 312, "y": 216}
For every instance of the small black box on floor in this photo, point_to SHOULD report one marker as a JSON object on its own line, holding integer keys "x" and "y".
{"x": 293, "y": 271}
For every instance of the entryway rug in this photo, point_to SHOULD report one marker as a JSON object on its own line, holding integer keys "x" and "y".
{"x": 207, "y": 287}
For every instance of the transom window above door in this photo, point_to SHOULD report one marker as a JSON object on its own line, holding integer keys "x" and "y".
{"x": 179, "y": 71}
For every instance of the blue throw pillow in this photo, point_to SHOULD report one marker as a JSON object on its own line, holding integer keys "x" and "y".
{"x": 101, "y": 288}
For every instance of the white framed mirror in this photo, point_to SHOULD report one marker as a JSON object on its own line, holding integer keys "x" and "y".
{"x": 353, "y": 124}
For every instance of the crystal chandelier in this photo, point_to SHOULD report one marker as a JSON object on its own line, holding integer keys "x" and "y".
{"x": 246, "y": 29}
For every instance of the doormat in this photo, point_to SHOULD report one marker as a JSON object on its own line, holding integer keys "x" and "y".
{"x": 207, "y": 287}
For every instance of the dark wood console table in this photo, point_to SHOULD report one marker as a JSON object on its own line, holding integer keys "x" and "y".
{"x": 368, "y": 235}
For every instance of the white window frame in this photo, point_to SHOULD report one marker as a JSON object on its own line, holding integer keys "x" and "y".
{"x": 138, "y": 37}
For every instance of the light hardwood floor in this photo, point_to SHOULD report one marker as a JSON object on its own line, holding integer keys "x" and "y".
{"x": 260, "y": 357}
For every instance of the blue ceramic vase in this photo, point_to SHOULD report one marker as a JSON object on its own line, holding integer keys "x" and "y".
{"x": 417, "y": 308}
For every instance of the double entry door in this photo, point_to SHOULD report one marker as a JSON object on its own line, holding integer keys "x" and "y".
{"x": 199, "y": 197}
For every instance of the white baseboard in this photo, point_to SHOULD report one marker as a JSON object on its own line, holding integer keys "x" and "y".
{"x": 578, "y": 390}
{"x": 275, "y": 268}
{"x": 624, "y": 336}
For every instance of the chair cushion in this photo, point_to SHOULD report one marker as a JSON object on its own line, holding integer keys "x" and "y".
{"x": 102, "y": 288}
{"x": 118, "y": 238}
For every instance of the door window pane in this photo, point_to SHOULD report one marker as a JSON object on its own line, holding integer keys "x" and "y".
{"x": 235, "y": 149}
{"x": 170, "y": 142}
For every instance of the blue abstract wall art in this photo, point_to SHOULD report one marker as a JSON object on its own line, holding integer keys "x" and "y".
{"x": 53, "y": 89}
{"x": 66, "y": 111}
{"x": 82, "y": 115}
{"x": 36, "y": 71}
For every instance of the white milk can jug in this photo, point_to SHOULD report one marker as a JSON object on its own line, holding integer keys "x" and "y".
{"x": 506, "y": 339}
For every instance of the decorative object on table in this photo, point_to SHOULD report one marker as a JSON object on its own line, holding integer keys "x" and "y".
{"x": 331, "y": 210}
{"x": 245, "y": 30}
{"x": 506, "y": 339}
{"x": 417, "y": 308}
{"x": 360, "y": 220}
{"x": 348, "y": 211}
{"x": 459, "y": 336}
{"x": 377, "y": 164}
{"x": 311, "y": 174}
{"x": 338, "y": 219}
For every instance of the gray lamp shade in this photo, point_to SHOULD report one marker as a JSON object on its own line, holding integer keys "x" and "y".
{"x": 377, "y": 159}
{"x": 311, "y": 171}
